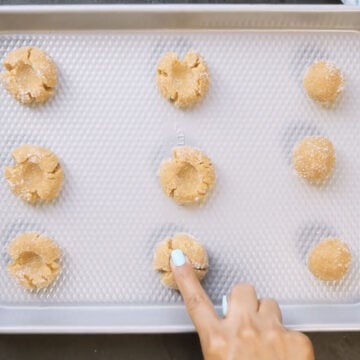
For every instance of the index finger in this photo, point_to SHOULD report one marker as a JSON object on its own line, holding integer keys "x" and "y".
{"x": 198, "y": 304}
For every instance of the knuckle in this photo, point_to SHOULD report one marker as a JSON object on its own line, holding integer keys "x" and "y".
{"x": 303, "y": 344}
{"x": 216, "y": 344}
{"x": 268, "y": 302}
{"x": 194, "y": 301}
{"x": 274, "y": 335}
{"x": 301, "y": 340}
{"x": 249, "y": 334}
{"x": 242, "y": 287}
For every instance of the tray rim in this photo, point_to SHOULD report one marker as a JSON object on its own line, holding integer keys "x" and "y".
{"x": 178, "y": 16}
{"x": 172, "y": 318}
{"x": 158, "y": 319}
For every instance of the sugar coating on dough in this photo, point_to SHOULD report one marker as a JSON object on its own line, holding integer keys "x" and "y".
{"x": 183, "y": 82}
{"x": 30, "y": 76}
{"x": 188, "y": 177}
{"x": 195, "y": 253}
{"x": 323, "y": 82}
{"x": 37, "y": 174}
{"x": 329, "y": 260}
{"x": 314, "y": 158}
{"x": 34, "y": 260}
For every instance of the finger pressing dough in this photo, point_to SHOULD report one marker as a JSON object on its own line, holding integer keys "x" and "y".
{"x": 37, "y": 174}
{"x": 183, "y": 82}
{"x": 314, "y": 158}
{"x": 329, "y": 260}
{"x": 188, "y": 177}
{"x": 195, "y": 253}
{"x": 35, "y": 260}
{"x": 323, "y": 82}
{"x": 30, "y": 75}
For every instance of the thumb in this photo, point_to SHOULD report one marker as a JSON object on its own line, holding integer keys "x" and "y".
{"x": 197, "y": 302}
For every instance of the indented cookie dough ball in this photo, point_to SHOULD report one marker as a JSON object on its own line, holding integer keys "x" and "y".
{"x": 188, "y": 177}
{"x": 195, "y": 253}
{"x": 35, "y": 260}
{"x": 183, "y": 82}
{"x": 323, "y": 82}
{"x": 37, "y": 174}
{"x": 314, "y": 158}
{"x": 30, "y": 75}
{"x": 329, "y": 260}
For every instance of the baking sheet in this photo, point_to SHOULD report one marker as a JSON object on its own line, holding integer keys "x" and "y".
{"x": 111, "y": 129}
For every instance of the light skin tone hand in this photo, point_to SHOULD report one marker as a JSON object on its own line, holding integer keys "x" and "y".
{"x": 251, "y": 330}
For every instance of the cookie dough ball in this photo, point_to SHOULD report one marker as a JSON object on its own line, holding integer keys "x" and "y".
{"x": 183, "y": 82}
{"x": 30, "y": 75}
{"x": 195, "y": 253}
{"x": 323, "y": 82}
{"x": 314, "y": 158}
{"x": 35, "y": 260}
{"x": 188, "y": 177}
{"x": 37, "y": 174}
{"x": 329, "y": 260}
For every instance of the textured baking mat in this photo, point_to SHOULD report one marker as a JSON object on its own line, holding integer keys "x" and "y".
{"x": 111, "y": 129}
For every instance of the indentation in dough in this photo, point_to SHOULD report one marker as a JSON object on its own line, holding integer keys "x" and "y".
{"x": 195, "y": 253}
{"x": 35, "y": 260}
{"x": 329, "y": 260}
{"x": 30, "y": 75}
{"x": 183, "y": 82}
{"x": 37, "y": 174}
{"x": 188, "y": 177}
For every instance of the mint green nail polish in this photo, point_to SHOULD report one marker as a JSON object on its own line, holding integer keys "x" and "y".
{"x": 224, "y": 305}
{"x": 178, "y": 257}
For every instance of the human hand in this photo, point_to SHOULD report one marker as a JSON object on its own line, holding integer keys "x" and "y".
{"x": 251, "y": 330}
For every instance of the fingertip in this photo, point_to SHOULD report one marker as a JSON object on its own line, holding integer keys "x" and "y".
{"x": 177, "y": 258}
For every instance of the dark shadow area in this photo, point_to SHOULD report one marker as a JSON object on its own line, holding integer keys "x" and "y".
{"x": 328, "y": 346}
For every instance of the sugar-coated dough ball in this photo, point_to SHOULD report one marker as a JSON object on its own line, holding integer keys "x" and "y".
{"x": 37, "y": 174}
{"x": 323, "y": 82}
{"x": 195, "y": 253}
{"x": 188, "y": 177}
{"x": 35, "y": 260}
{"x": 329, "y": 260}
{"x": 183, "y": 82}
{"x": 30, "y": 75}
{"x": 314, "y": 158}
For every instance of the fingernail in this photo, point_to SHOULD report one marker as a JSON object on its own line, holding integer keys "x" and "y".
{"x": 178, "y": 257}
{"x": 224, "y": 305}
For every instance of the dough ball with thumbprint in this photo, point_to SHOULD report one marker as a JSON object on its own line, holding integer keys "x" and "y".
{"x": 36, "y": 175}
{"x": 188, "y": 176}
{"x": 34, "y": 260}
{"x": 193, "y": 250}
{"x": 30, "y": 75}
{"x": 183, "y": 82}
{"x": 323, "y": 82}
{"x": 314, "y": 158}
{"x": 329, "y": 260}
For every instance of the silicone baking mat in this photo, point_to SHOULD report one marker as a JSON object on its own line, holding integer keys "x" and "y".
{"x": 111, "y": 130}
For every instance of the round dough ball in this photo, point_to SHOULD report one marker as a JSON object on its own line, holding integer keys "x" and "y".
{"x": 329, "y": 260}
{"x": 35, "y": 260}
{"x": 188, "y": 177}
{"x": 183, "y": 82}
{"x": 323, "y": 82}
{"x": 314, "y": 158}
{"x": 194, "y": 251}
{"x": 30, "y": 75}
{"x": 37, "y": 174}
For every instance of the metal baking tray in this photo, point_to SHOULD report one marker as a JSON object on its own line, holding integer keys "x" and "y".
{"x": 111, "y": 129}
